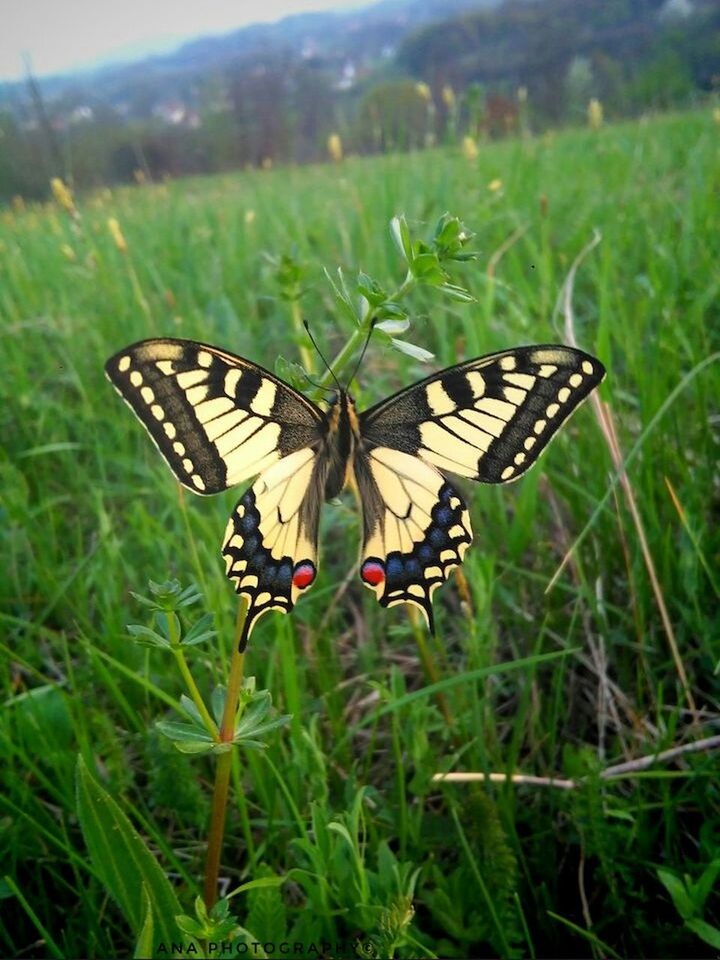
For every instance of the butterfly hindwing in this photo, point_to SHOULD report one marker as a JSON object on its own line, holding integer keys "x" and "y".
{"x": 270, "y": 546}
{"x": 416, "y": 527}
{"x": 216, "y": 418}
{"x": 488, "y": 419}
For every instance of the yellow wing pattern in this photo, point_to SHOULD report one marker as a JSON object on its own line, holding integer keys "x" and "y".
{"x": 270, "y": 546}
{"x": 416, "y": 528}
{"x": 488, "y": 419}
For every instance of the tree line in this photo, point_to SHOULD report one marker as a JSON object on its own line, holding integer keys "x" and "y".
{"x": 521, "y": 66}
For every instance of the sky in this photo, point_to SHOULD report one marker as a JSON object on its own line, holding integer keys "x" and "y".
{"x": 64, "y": 35}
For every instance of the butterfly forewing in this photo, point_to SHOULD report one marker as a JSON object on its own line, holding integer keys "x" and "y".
{"x": 216, "y": 418}
{"x": 488, "y": 419}
{"x": 416, "y": 527}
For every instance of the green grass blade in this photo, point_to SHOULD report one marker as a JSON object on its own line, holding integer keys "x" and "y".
{"x": 125, "y": 864}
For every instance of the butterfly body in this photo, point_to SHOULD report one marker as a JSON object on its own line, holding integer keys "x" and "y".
{"x": 219, "y": 419}
{"x": 342, "y": 439}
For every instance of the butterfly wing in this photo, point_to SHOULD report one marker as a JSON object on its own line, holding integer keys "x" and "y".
{"x": 488, "y": 419}
{"x": 217, "y": 419}
{"x": 416, "y": 527}
{"x": 270, "y": 547}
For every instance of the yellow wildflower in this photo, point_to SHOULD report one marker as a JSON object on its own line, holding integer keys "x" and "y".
{"x": 335, "y": 147}
{"x": 267, "y": 163}
{"x": 117, "y": 235}
{"x": 522, "y": 94}
{"x": 249, "y": 217}
{"x": 67, "y": 251}
{"x": 495, "y": 185}
{"x": 595, "y": 114}
{"x": 716, "y": 115}
{"x": 140, "y": 177}
{"x": 63, "y": 196}
{"x": 423, "y": 91}
{"x": 469, "y": 149}
{"x": 448, "y": 95}
{"x": 18, "y": 203}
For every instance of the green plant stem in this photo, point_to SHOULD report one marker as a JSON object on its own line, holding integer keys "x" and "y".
{"x": 224, "y": 765}
{"x": 428, "y": 663}
{"x": 306, "y": 355}
{"x": 179, "y": 655}
{"x": 357, "y": 337}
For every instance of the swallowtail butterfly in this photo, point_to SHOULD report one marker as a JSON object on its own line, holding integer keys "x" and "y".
{"x": 218, "y": 420}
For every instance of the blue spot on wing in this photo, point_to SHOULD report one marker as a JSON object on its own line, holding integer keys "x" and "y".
{"x": 443, "y": 516}
{"x": 284, "y": 575}
{"x": 248, "y": 522}
{"x": 437, "y": 536}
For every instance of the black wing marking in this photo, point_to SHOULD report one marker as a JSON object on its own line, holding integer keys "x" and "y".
{"x": 416, "y": 527}
{"x": 490, "y": 418}
{"x": 217, "y": 419}
{"x": 270, "y": 547}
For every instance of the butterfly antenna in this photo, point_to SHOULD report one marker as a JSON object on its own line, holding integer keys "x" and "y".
{"x": 360, "y": 360}
{"x": 317, "y": 385}
{"x": 320, "y": 354}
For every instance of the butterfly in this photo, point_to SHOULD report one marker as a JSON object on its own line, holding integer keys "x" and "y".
{"x": 219, "y": 419}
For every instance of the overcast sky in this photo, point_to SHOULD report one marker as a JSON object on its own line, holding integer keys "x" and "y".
{"x": 62, "y": 35}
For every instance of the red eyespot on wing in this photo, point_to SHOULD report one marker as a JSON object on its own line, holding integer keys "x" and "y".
{"x": 303, "y": 574}
{"x": 372, "y": 572}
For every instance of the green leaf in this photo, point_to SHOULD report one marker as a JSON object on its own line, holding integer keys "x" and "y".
{"x": 676, "y": 888}
{"x": 291, "y": 372}
{"x": 188, "y": 596}
{"x": 455, "y": 292}
{"x": 128, "y": 870}
{"x": 426, "y": 269}
{"x": 706, "y": 932}
{"x": 266, "y": 915}
{"x": 190, "y": 709}
{"x": 200, "y": 631}
{"x": 701, "y": 889}
{"x": 147, "y": 637}
{"x": 187, "y": 737}
{"x": 217, "y": 703}
{"x": 401, "y": 237}
{"x": 343, "y": 298}
{"x": 253, "y": 884}
{"x": 190, "y": 926}
{"x": 450, "y": 236}
{"x": 391, "y": 311}
{"x": 412, "y": 350}
{"x": 169, "y": 625}
{"x": 371, "y": 290}
{"x": 145, "y": 942}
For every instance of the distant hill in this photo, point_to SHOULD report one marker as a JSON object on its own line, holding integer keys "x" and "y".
{"x": 360, "y": 37}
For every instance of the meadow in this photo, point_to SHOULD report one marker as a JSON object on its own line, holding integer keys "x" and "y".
{"x": 604, "y": 688}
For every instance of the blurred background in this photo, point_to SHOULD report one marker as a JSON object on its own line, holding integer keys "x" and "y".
{"x": 106, "y": 93}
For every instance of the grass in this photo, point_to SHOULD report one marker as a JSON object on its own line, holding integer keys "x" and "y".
{"x": 562, "y": 684}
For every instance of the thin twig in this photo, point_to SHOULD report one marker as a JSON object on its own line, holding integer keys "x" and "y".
{"x": 642, "y": 763}
{"x": 581, "y": 888}
{"x": 517, "y": 778}
{"x": 609, "y": 773}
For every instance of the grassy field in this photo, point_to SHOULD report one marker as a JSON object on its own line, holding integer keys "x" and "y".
{"x": 604, "y": 669}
